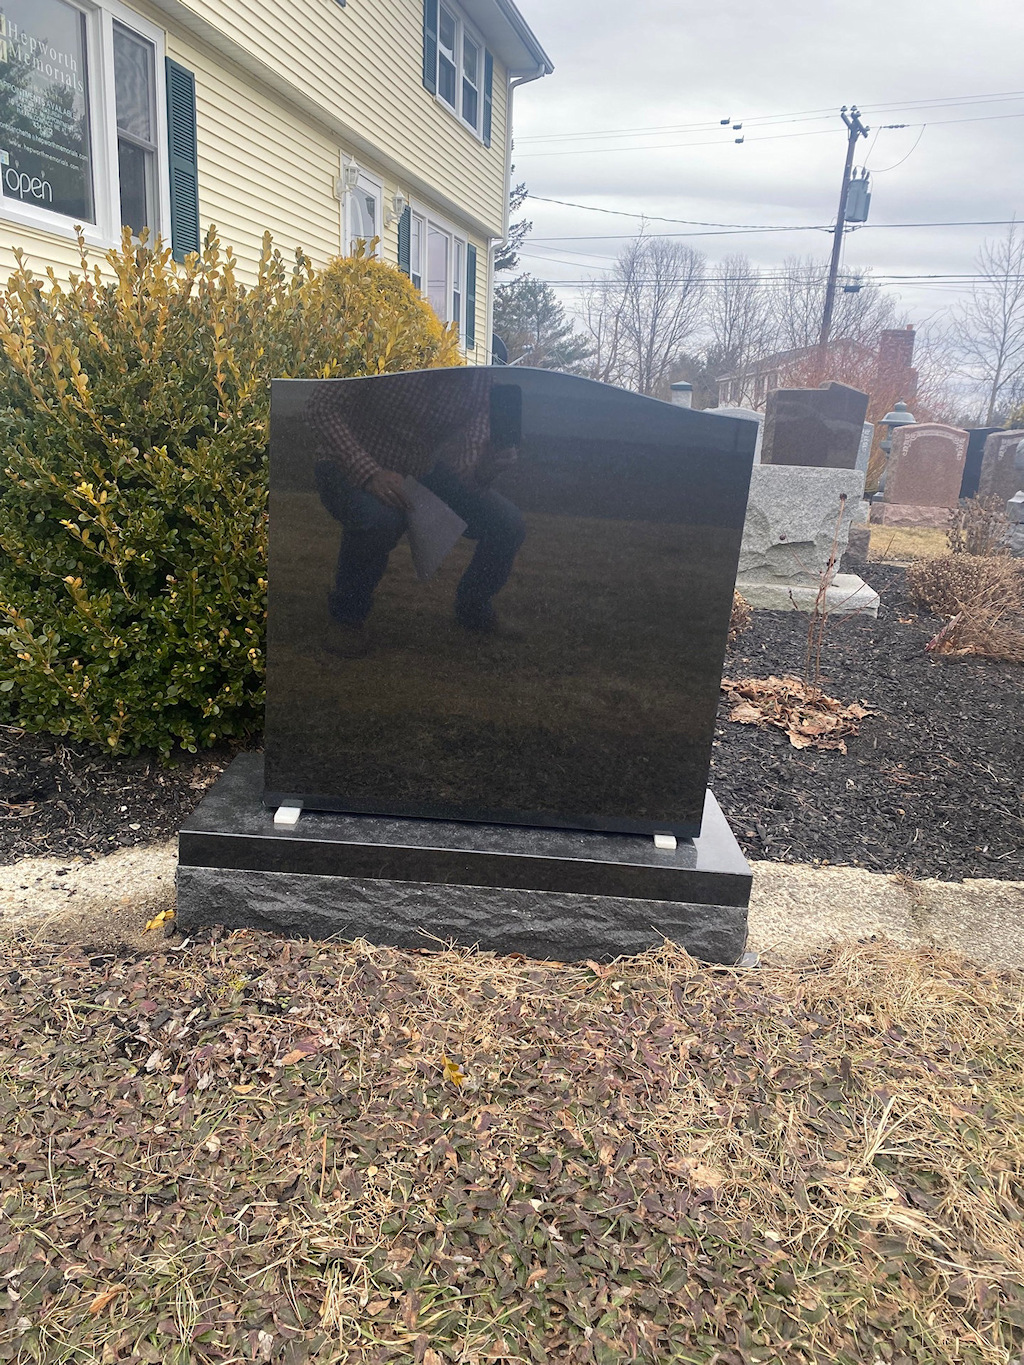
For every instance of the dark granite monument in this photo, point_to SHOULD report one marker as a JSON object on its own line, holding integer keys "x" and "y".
{"x": 975, "y": 454}
{"x": 499, "y": 603}
{"x": 822, "y": 426}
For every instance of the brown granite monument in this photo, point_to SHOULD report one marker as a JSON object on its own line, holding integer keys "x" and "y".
{"x": 922, "y": 479}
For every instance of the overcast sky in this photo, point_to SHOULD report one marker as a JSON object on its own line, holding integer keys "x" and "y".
{"x": 655, "y": 63}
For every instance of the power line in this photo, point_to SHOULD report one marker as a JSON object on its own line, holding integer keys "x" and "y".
{"x": 771, "y": 137}
{"x": 671, "y": 146}
{"x": 798, "y": 279}
{"x": 943, "y": 102}
{"x": 738, "y": 227}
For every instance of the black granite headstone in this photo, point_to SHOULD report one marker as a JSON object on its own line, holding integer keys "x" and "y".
{"x": 822, "y": 426}
{"x": 975, "y": 455}
{"x": 561, "y": 666}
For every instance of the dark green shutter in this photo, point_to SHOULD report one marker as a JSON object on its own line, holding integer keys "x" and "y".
{"x": 184, "y": 171}
{"x": 488, "y": 96}
{"x": 430, "y": 45}
{"x": 470, "y": 296}
{"x": 404, "y": 240}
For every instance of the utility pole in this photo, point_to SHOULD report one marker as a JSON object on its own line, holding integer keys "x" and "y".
{"x": 855, "y": 130}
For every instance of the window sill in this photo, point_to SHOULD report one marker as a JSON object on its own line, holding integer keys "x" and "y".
{"x": 466, "y": 127}
{"x": 53, "y": 225}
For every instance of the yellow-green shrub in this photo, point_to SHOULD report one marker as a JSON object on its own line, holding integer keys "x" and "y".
{"x": 134, "y": 408}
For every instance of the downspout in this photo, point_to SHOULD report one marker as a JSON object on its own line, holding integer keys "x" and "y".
{"x": 514, "y": 82}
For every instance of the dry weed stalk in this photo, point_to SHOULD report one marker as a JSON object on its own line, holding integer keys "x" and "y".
{"x": 978, "y": 526}
{"x": 818, "y": 623}
{"x": 740, "y": 616}
{"x": 982, "y": 599}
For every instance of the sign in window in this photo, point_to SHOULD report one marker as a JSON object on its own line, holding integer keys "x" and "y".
{"x": 45, "y": 144}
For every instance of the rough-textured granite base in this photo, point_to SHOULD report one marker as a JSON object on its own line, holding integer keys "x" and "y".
{"x": 857, "y": 548}
{"x": 790, "y": 530}
{"x": 564, "y": 894}
{"x": 910, "y": 514}
{"x": 847, "y": 594}
{"x": 543, "y": 924}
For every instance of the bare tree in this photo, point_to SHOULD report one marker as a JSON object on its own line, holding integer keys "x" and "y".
{"x": 739, "y": 313}
{"x": 600, "y": 313}
{"x": 641, "y": 317}
{"x": 862, "y": 309}
{"x": 990, "y": 324}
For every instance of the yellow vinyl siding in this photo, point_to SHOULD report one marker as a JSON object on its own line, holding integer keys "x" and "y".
{"x": 262, "y": 167}
{"x": 363, "y": 65}
{"x": 267, "y": 166}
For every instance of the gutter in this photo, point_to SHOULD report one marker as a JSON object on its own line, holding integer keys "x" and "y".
{"x": 515, "y": 80}
{"x": 526, "y": 36}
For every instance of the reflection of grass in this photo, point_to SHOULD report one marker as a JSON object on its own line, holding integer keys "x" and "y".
{"x": 900, "y": 544}
{"x": 586, "y": 711}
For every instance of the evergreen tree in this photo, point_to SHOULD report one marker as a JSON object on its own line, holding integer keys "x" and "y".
{"x": 507, "y": 255}
{"x": 532, "y": 323}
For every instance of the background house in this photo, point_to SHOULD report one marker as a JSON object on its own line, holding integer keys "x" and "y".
{"x": 883, "y": 369}
{"x": 322, "y": 121}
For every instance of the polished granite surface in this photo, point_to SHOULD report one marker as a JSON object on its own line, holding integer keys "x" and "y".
{"x": 231, "y": 829}
{"x": 822, "y": 426}
{"x": 603, "y": 528}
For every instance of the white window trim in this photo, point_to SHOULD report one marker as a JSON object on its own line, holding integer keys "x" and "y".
{"x": 430, "y": 219}
{"x": 367, "y": 182}
{"x": 106, "y": 231}
{"x": 462, "y": 25}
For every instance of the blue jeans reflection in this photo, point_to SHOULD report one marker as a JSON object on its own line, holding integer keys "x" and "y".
{"x": 372, "y": 529}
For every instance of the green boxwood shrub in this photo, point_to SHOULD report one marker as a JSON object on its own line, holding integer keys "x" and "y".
{"x": 134, "y": 409}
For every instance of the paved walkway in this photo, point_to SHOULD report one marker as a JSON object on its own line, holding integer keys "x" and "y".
{"x": 795, "y": 909}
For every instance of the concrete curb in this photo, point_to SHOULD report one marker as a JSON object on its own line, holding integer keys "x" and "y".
{"x": 795, "y": 909}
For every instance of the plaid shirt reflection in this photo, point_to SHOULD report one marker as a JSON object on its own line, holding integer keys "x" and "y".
{"x": 408, "y": 424}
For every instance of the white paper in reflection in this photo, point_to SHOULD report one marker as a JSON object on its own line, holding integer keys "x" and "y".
{"x": 432, "y": 526}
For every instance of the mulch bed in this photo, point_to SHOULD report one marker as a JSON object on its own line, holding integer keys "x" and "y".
{"x": 931, "y": 787}
{"x": 74, "y": 800}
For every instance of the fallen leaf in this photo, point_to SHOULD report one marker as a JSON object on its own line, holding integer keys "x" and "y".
{"x": 158, "y": 921}
{"x": 106, "y": 1297}
{"x": 452, "y": 1071}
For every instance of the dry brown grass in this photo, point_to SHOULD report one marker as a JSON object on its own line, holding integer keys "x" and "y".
{"x": 982, "y": 599}
{"x": 261, "y": 1148}
{"x": 904, "y": 544}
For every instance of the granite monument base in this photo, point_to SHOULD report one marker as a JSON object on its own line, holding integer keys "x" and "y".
{"x": 558, "y": 894}
{"x": 846, "y": 595}
{"x": 910, "y": 514}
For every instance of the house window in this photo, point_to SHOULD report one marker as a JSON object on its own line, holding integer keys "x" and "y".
{"x": 447, "y": 55}
{"x": 439, "y": 280}
{"x": 437, "y": 266}
{"x": 363, "y": 212}
{"x": 458, "y": 281}
{"x": 135, "y": 105}
{"x": 470, "y": 81}
{"x": 460, "y": 63}
{"x": 82, "y": 138}
{"x": 416, "y": 231}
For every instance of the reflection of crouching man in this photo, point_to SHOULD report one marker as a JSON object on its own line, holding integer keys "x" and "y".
{"x": 434, "y": 425}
